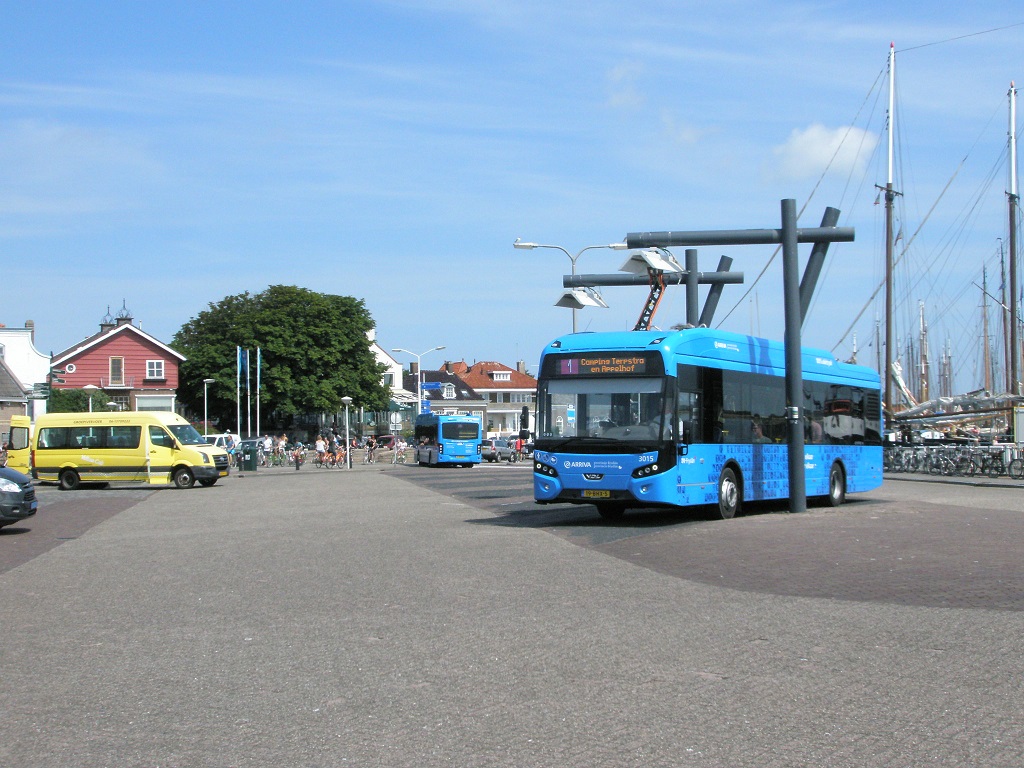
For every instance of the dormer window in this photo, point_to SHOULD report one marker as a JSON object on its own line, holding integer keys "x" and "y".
{"x": 448, "y": 391}
{"x": 501, "y": 375}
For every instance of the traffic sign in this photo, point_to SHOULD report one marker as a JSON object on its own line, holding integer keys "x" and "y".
{"x": 430, "y": 385}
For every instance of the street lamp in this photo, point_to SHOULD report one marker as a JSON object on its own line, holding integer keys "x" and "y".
{"x": 348, "y": 443}
{"x": 206, "y": 421}
{"x": 530, "y": 246}
{"x": 419, "y": 374}
{"x": 90, "y": 388}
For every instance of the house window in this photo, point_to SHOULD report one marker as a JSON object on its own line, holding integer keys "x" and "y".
{"x": 117, "y": 372}
{"x": 502, "y": 375}
{"x": 389, "y": 379}
{"x": 155, "y": 369}
{"x": 121, "y": 402}
{"x": 448, "y": 391}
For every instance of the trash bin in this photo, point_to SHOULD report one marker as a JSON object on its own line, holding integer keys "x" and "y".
{"x": 249, "y": 458}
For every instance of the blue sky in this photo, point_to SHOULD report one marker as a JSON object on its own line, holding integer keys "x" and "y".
{"x": 168, "y": 155}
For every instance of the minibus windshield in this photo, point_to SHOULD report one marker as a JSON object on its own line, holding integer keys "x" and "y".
{"x": 186, "y": 434}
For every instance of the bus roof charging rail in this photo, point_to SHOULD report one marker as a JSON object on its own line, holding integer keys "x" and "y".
{"x": 796, "y": 295}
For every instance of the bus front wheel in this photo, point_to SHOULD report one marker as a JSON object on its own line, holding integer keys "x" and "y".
{"x": 730, "y": 494}
{"x": 611, "y": 510}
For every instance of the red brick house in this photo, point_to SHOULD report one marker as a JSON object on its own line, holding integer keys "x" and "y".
{"x": 506, "y": 390}
{"x": 130, "y": 367}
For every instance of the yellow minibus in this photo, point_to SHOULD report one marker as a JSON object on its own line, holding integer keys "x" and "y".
{"x": 154, "y": 447}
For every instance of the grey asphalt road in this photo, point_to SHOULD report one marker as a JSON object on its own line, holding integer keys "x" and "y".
{"x": 357, "y": 618}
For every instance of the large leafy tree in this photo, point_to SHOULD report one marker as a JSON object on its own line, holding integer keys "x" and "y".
{"x": 314, "y": 346}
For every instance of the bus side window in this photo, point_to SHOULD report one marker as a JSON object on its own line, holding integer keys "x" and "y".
{"x": 689, "y": 417}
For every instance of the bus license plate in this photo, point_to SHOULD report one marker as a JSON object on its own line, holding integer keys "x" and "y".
{"x": 597, "y": 494}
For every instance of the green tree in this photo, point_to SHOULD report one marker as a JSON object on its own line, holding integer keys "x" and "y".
{"x": 71, "y": 401}
{"x": 314, "y": 352}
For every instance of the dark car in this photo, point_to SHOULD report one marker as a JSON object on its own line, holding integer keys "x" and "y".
{"x": 17, "y": 497}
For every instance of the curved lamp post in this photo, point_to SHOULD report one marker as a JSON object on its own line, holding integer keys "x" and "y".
{"x": 530, "y": 246}
{"x": 419, "y": 374}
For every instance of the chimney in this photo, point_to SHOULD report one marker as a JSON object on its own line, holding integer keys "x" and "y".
{"x": 107, "y": 322}
{"x": 414, "y": 368}
{"x": 521, "y": 366}
{"x": 31, "y": 326}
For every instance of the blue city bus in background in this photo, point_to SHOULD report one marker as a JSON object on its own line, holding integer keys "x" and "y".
{"x": 452, "y": 440}
{"x": 696, "y": 417}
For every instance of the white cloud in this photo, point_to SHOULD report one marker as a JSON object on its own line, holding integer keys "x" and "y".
{"x": 809, "y": 152}
{"x": 622, "y": 89}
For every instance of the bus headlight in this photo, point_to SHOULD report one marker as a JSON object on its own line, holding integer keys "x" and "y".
{"x": 646, "y": 471}
{"x": 544, "y": 469}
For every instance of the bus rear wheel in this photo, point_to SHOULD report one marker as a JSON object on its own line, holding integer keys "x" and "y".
{"x": 730, "y": 494}
{"x": 836, "y": 486}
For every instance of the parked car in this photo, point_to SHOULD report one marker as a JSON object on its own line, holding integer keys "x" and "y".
{"x": 221, "y": 440}
{"x": 17, "y": 497}
{"x": 495, "y": 449}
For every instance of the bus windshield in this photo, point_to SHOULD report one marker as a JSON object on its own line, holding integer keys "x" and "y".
{"x": 460, "y": 430}
{"x": 621, "y": 409}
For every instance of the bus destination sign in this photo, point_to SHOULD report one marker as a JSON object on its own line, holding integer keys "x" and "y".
{"x": 606, "y": 364}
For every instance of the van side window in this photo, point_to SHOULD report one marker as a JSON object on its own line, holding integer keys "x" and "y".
{"x": 124, "y": 437}
{"x": 52, "y": 437}
{"x": 19, "y": 438}
{"x": 157, "y": 436}
{"x": 85, "y": 437}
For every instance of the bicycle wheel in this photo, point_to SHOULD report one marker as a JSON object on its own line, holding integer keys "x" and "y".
{"x": 995, "y": 467}
{"x": 1016, "y": 469}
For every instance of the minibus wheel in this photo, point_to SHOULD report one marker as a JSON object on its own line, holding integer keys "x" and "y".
{"x": 68, "y": 480}
{"x": 183, "y": 478}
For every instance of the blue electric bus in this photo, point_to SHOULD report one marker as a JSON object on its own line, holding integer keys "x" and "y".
{"x": 453, "y": 440}
{"x": 696, "y": 417}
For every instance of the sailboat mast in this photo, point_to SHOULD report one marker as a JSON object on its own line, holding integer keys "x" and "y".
{"x": 1006, "y": 317}
{"x": 889, "y": 196}
{"x": 986, "y": 358}
{"x": 1013, "y": 200}
{"x": 923, "y": 356}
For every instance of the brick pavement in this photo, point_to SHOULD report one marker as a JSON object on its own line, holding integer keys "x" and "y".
{"x": 329, "y": 618}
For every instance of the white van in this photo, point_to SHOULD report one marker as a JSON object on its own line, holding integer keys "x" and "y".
{"x": 221, "y": 439}
{"x": 153, "y": 447}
